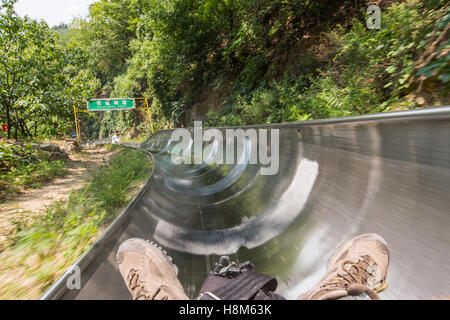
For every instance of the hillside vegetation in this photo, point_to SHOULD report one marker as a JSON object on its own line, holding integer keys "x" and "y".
{"x": 42, "y": 246}
{"x": 229, "y": 62}
{"x": 25, "y": 167}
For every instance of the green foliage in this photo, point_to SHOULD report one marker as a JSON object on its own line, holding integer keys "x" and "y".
{"x": 106, "y": 36}
{"x": 370, "y": 71}
{"x": 111, "y": 183}
{"x": 227, "y": 120}
{"x": 259, "y": 53}
{"x": 47, "y": 245}
{"x": 440, "y": 65}
{"x": 40, "y": 79}
{"x": 183, "y": 45}
{"x": 389, "y": 51}
{"x": 23, "y": 166}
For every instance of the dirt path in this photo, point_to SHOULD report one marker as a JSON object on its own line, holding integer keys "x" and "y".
{"x": 34, "y": 202}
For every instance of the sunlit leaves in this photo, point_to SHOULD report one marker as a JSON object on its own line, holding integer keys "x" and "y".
{"x": 40, "y": 78}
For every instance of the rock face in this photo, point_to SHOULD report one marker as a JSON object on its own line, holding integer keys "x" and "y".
{"x": 74, "y": 146}
{"x": 53, "y": 151}
{"x": 50, "y": 147}
{"x": 53, "y": 156}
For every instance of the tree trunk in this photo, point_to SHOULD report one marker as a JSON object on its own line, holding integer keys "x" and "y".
{"x": 16, "y": 126}
{"x": 100, "y": 119}
{"x": 22, "y": 128}
{"x": 8, "y": 118}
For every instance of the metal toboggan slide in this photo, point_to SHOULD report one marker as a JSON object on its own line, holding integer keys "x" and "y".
{"x": 385, "y": 173}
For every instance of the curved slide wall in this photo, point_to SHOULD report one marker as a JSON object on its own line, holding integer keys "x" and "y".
{"x": 386, "y": 173}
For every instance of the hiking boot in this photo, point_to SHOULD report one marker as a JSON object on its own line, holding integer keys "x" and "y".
{"x": 359, "y": 266}
{"x": 148, "y": 271}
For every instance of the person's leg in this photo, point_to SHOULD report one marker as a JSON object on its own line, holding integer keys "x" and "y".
{"x": 149, "y": 272}
{"x": 357, "y": 271}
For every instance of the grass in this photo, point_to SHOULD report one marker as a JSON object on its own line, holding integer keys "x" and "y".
{"x": 44, "y": 247}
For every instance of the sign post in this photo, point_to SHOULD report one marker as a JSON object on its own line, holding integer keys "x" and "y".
{"x": 76, "y": 125}
{"x": 113, "y": 104}
{"x": 147, "y": 107}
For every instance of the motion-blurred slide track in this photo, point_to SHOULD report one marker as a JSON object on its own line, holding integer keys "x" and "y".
{"x": 385, "y": 173}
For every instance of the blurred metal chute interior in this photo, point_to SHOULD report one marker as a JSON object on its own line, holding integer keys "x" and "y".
{"x": 384, "y": 173}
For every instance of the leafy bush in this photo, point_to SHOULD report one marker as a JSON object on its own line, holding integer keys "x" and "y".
{"x": 369, "y": 71}
{"x": 386, "y": 58}
{"x": 40, "y": 77}
{"x": 440, "y": 65}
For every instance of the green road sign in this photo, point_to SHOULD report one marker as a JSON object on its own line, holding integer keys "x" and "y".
{"x": 111, "y": 104}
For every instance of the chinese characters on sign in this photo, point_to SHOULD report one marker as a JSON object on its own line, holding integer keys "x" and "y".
{"x": 111, "y": 104}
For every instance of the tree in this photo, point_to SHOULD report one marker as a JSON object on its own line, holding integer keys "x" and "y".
{"x": 112, "y": 25}
{"x": 39, "y": 78}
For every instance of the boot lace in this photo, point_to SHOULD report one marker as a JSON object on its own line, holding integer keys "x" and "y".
{"x": 137, "y": 288}
{"x": 355, "y": 277}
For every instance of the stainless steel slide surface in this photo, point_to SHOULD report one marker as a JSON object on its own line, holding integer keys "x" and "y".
{"x": 386, "y": 173}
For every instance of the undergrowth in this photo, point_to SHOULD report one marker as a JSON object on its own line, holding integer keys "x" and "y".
{"x": 23, "y": 167}
{"x": 368, "y": 71}
{"x": 44, "y": 247}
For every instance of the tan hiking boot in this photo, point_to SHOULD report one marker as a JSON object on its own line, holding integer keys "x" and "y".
{"x": 359, "y": 266}
{"x": 148, "y": 272}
